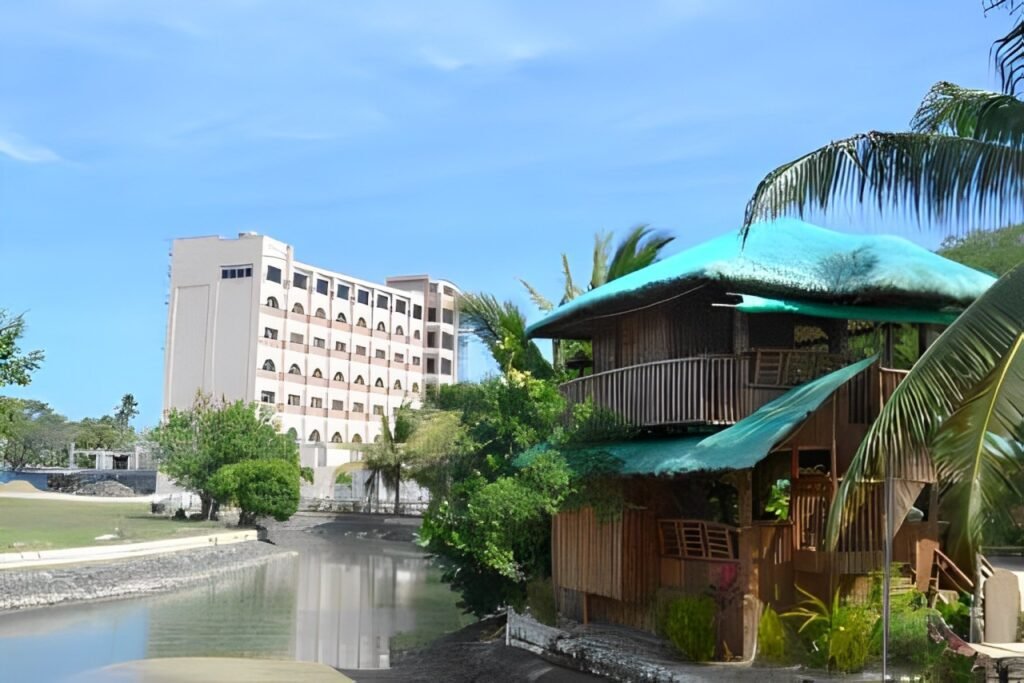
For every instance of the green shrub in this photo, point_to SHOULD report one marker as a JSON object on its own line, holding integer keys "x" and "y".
{"x": 771, "y": 637}
{"x": 540, "y": 598}
{"x": 342, "y": 477}
{"x": 957, "y": 615}
{"x": 259, "y": 487}
{"x": 841, "y": 633}
{"x": 690, "y": 625}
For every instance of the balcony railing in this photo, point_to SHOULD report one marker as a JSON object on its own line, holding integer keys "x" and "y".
{"x": 719, "y": 389}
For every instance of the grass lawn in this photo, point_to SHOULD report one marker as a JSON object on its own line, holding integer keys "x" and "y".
{"x": 50, "y": 524}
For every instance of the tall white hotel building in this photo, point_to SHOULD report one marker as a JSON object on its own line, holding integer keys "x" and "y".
{"x": 330, "y": 354}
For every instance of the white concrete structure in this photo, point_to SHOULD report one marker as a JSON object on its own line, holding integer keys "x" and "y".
{"x": 328, "y": 353}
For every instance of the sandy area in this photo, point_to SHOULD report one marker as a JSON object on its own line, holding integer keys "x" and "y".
{"x": 23, "y": 489}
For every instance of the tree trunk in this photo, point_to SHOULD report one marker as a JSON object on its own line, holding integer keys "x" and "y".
{"x": 398, "y": 486}
{"x": 206, "y": 505}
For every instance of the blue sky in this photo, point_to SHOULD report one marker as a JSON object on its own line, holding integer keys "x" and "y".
{"x": 476, "y": 140}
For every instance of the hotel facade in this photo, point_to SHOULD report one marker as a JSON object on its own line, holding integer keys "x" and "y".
{"x": 328, "y": 353}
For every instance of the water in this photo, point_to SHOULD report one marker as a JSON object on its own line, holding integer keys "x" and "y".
{"x": 346, "y": 603}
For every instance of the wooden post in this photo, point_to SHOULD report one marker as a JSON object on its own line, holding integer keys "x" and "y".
{"x": 748, "y": 551}
{"x": 586, "y": 608}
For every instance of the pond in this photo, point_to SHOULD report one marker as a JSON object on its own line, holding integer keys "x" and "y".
{"x": 348, "y": 603}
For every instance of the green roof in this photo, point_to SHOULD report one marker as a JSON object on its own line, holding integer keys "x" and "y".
{"x": 817, "y": 309}
{"x": 738, "y": 447}
{"x": 794, "y": 260}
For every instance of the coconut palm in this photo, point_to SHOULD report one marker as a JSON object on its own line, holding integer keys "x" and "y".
{"x": 502, "y": 329}
{"x": 641, "y": 247}
{"x": 962, "y": 160}
{"x": 957, "y": 414}
{"x": 386, "y": 458}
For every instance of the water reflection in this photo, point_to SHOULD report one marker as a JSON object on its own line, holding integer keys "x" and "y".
{"x": 340, "y": 605}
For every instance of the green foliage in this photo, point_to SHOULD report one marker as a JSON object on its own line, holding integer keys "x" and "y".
{"x": 502, "y": 329}
{"x": 839, "y": 633}
{"x": 306, "y": 473}
{"x": 195, "y": 443}
{"x": 31, "y": 433}
{"x": 778, "y": 499}
{"x": 957, "y": 615}
{"x": 995, "y": 251}
{"x": 342, "y": 477}
{"x": 540, "y": 598}
{"x": 16, "y": 367}
{"x": 771, "y": 637}
{"x": 690, "y": 625}
{"x": 259, "y": 488}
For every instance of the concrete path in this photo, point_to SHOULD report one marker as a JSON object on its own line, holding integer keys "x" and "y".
{"x": 46, "y": 495}
{"x": 213, "y": 670}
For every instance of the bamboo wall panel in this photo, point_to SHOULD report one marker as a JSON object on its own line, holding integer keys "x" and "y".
{"x": 773, "y": 563}
{"x": 586, "y": 555}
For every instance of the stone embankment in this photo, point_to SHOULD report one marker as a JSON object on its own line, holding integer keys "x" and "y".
{"x": 21, "y": 588}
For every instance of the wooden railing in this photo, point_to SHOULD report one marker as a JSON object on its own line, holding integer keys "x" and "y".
{"x": 695, "y": 539}
{"x": 715, "y": 389}
{"x": 808, "y": 508}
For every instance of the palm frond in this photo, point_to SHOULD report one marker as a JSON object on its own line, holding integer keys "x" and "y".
{"x": 1008, "y": 51}
{"x": 933, "y": 389}
{"x": 949, "y": 109}
{"x": 599, "y": 269}
{"x": 977, "y": 456}
{"x": 930, "y": 176}
{"x": 502, "y": 329}
{"x": 538, "y": 299}
{"x": 571, "y": 291}
{"x": 640, "y": 248}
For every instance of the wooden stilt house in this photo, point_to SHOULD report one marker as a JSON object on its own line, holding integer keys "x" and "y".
{"x": 743, "y": 365}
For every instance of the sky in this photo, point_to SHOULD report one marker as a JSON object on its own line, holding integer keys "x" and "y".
{"x": 476, "y": 141}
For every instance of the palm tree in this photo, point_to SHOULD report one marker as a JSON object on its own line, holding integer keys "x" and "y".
{"x": 641, "y": 247}
{"x": 502, "y": 329}
{"x": 386, "y": 458}
{"x": 963, "y": 158}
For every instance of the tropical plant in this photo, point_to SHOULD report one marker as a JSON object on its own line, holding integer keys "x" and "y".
{"x": 502, "y": 329}
{"x": 963, "y": 158}
{"x": 386, "y": 458}
{"x": 841, "y": 633}
{"x": 778, "y": 500}
{"x": 690, "y": 626}
{"x": 771, "y": 637}
{"x": 962, "y": 403}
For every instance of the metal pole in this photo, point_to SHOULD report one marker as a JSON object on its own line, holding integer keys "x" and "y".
{"x": 887, "y": 570}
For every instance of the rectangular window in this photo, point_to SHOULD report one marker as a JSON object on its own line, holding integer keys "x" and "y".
{"x": 316, "y": 402}
{"x": 358, "y": 408}
{"x": 339, "y": 346}
{"x": 269, "y": 333}
{"x": 360, "y": 350}
{"x": 235, "y": 272}
{"x": 319, "y": 343}
{"x": 382, "y": 301}
{"x": 343, "y": 292}
{"x": 380, "y": 353}
{"x": 274, "y": 274}
{"x": 448, "y": 316}
{"x": 363, "y": 296}
{"x": 431, "y": 366}
{"x": 431, "y": 315}
{"x": 266, "y": 396}
{"x": 447, "y": 341}
{"x": 378, "y": 410}
{"x": 293, "y": 399}
{"x": 415, "y": 360}
{"x": 431, "y": 340}
{"x": 337, "y": 405}
{"x": 433, "y": 287}
{"x": 399, "y": 306}
{"x": 399, "y": 357}
{"x": 300, "y": 280}
{"x": 417, "y": 311}
{"x": 446, "y": 366}
{"x": 322, "y": 286}
{"x": 296, "y": 338}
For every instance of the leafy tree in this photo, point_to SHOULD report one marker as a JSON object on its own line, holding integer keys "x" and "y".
{"x": 640, "y": 248}
{"x": 125, "y": 412}
{"x": 33, "y": 434}
{"x": 96, "y": 433}
{"x": 995, "y": 251}
{"x": 16, "y": 367}
{"x": 963, "y": 158}
{"x": 258, "y": 488}
{"x": 193, "y": 444}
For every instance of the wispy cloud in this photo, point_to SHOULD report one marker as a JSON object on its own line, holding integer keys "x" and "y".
{"x": 20, "y": 149}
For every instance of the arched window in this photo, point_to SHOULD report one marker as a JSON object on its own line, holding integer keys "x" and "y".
{"x": 272, "y": 302}
{"x": 379, "y": 383}
{"x": 292, "y": 434}
{"x": 317, "y": 373}
{"x": 269, "y": 366}
{"x": 416, "y": 334}
{"x": 361, "y": 322}
{"x": 398, "y": 384}
{"x": 336, "y": 438}
{"x": 399, "y": 331}
{"x": 342, "y": 318}
{"x": 381, "y": 328}
{"x": 359, "y": 380}
{"x": 314, "y": 436}
{"x": 297, "y": 308}
{"x": 294, "y": 370}
{"x": 356, "y": 438}
{"x": 416, "y": 387}
{"x": 338, "y": 377}
{"x": 320, "y": 313}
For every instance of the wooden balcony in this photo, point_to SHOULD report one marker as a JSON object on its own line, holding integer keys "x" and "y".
{"x": 713, "y": 389}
